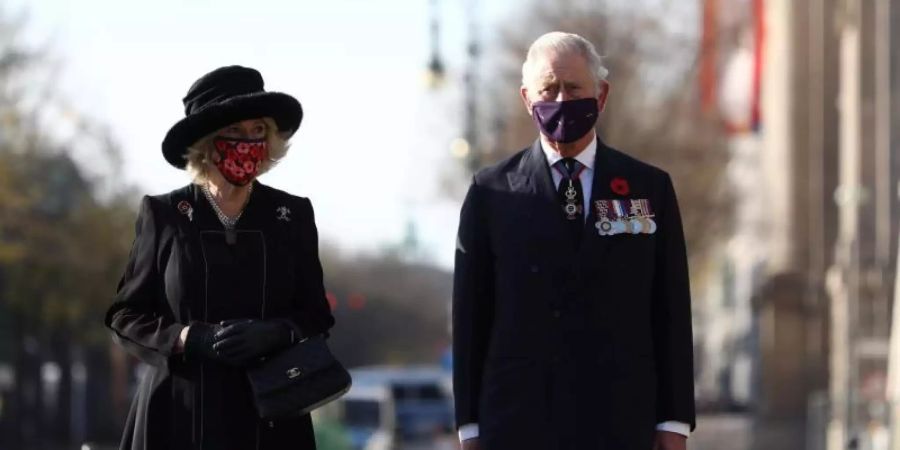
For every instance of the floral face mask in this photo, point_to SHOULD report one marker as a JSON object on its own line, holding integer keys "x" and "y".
{"x": 239, "y": 159}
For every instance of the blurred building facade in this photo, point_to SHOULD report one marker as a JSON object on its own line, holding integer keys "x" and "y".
{"x": 797, "y": 321}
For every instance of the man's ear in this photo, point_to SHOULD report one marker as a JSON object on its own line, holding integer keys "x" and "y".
{"x": 523, "y": 92}
{"x": 603, "y": 95}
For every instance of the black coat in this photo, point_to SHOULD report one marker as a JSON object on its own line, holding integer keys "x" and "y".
{"x": 181, "y": 270}
{"x": 568, "y": 346}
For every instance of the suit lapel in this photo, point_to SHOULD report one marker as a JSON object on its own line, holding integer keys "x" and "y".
{"x": 533, "y": 178}
{"x": 191, "y": 259}
{"x": 533, "y": 175}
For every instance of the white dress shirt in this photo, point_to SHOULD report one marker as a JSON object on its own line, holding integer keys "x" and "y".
{"x": 587, "y": 158}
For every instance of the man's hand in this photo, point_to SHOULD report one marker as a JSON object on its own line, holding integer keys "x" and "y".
{"x": 666, "y": 440}
{"x": 470, "y": 444}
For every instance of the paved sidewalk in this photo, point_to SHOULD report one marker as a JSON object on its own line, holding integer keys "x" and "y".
{"x": 722, "y": 432}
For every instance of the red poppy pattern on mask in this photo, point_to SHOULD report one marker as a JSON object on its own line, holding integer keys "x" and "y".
{"x": 239, "y": 159}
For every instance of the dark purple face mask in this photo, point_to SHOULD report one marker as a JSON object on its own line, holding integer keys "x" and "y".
{"x": 565, "y": 121}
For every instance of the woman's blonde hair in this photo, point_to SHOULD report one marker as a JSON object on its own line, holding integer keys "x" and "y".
{"x": 199, "y": 155}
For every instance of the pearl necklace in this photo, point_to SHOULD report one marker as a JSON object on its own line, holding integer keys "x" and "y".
{"x": 227, "y": 222}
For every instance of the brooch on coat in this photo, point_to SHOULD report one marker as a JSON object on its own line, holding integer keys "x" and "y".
{"x": 632, "y": 216}
{"x": 620, "y": 186}
{"x": 185, "y": 208}
{"x": 283, "y": 213}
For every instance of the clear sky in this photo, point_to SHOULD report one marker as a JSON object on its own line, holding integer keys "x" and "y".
{"x": 374, "y": 140}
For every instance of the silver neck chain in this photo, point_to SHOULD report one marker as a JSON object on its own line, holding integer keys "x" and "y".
{"x": 227, "y": 222}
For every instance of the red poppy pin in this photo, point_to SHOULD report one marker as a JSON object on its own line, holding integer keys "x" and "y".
{"x": 185, "y": 208}
{"x": 620, "y": 186}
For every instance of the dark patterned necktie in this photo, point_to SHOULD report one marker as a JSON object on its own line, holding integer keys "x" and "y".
{"x": 571, "y": 196}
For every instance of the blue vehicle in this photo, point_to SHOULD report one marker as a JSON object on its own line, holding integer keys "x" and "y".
{"x": 398, "y": 408}
{"x": 366, "y": 416}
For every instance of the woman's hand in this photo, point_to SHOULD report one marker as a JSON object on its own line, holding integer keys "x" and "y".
{"x": 200, "y": 341}
{"x": 248, "y": 339}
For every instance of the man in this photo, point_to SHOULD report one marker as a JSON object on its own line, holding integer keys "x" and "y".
{"x": 571, "y": 305}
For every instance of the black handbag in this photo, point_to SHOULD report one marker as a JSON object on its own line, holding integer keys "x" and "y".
{"x": 298, "y": 380}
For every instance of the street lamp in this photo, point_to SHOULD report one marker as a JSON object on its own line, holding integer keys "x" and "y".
{"x": 435, "y": 73}
{"x": 464, "y": 148}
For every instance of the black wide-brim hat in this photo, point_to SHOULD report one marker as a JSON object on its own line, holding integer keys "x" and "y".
{"x": 222, "y": 97}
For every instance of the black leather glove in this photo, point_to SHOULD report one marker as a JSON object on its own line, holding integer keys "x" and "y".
{"x": 199, "y": 343}
{"x": 248, "y": 340}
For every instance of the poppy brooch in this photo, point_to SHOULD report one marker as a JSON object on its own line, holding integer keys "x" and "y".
{"x": 620, "y": 186}
{"x": 184, "y": 207}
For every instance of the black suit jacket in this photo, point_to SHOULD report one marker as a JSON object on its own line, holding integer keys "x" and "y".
{"x": 558, "y": 346}
{"x": 165, "y": 287}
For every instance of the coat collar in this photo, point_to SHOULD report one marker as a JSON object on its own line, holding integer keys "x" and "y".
{"x": 259, "y": 212}
{"x": 587, "y": 157}
{"x": 533, "y": 173}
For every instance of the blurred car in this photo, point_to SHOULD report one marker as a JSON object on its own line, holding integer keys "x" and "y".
{"x": 366, "y": 416}
{"x": 413, "y": 402}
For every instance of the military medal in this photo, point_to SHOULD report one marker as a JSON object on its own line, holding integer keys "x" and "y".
{"x": 632, "y": 216}
{"x": 621, "y": 224}
{"x": 645, "y": 224}
{"x": 637, "y": 207}
{"x": 610, "y": 218}
{"x": 640, "y": 209}
{"x": 604, "y": 225}
{"x": 635, "y": 226}
{"x": 650, "y": 226}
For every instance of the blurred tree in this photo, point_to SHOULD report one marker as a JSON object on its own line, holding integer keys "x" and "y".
{"x": 61, "y": 248}
{"x": 387, "y": 310}
{"x": 654, "y": 111}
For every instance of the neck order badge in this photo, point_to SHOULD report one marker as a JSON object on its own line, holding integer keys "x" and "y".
{"x": 571, "y": 173}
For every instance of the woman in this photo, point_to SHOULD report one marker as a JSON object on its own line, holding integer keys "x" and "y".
{"x": 222, "y": 272}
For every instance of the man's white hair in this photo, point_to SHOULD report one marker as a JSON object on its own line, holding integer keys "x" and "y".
{"x": 563, "y": 43}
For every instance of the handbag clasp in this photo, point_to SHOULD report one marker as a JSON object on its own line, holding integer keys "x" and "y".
{"x": 294, "y": 372}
